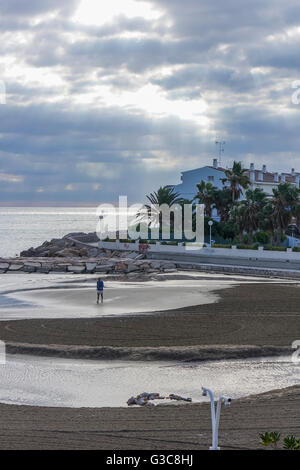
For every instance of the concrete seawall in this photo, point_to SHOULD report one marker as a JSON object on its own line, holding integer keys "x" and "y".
{"x": 243, "y": 260}
{"x": 153, "y": 263}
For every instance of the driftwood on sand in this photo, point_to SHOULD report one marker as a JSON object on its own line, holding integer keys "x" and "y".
{"x": 146, "y": 399}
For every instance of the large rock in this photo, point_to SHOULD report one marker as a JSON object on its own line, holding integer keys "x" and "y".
{"x": 15, "y": 267}
{"x": 58, "y": 268}
{"x": 83, "y": 237}
{"x": 76, "y": 269}
{"x": 132, "y": 267}
{"x": 83, "y": 252}
{"x": 104, "y": 268}
{"x": 43, "y": 269}
{"x": 68, "y": 253}
{"x": 120, "y": 267}
{"x": 28, "y": 253}
{"x": 184, "y": 266}
{"x": 155, "y": 264}
{"x": 168, "y": 265}
{"x": 140, "y": 256}
{"x": 31, "y": 267}
{"x": 92, "y": 252}
{"x": 132, "y": 255}
{"x": 4, "y": 266}
{"x": 33, "y": 264}
{"x": 90, "y": 267}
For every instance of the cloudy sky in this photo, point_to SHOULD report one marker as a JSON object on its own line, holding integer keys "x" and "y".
{"x": 118, "y": 97}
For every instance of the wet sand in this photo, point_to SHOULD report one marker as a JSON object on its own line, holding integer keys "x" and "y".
{"x": 258, "y": 315}
{"x": 77, "y": 383}
{"x": 176, "y": 427}
{"x": 78, "y": 300}
{"x": 261, "y": 315}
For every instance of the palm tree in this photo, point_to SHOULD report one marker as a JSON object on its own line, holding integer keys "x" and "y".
{"x": 285, "y": 198}
{"x": 266, "y": 220}
{"x": 206, "y": 195}
{"x": 223, "y": 203}
{"x": 253, "y": 204}
{"x": 237, "y": 216}
{"x": 165, "y": 195}
{"x": 237, "y": 179}
{"x": 296, "y": 213}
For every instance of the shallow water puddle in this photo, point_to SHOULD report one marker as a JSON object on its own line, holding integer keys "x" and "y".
{"x": 29, "y": 380}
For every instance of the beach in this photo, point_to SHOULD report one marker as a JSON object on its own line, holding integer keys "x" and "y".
{"x": 177, "y": 427}
{"x": 238, "y": 319}
{"x": 261, "y": 314}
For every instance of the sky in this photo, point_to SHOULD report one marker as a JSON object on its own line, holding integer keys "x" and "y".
{"x": 100, "y": 99}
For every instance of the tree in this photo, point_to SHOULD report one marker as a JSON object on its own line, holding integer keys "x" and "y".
{"x": 253, "y": 204}
{"x": 266, "y": 220}
{"x": 237, "y": 179}
{"x": 153, "y": 215}
{"x": 206, "y": 195}
{"x": 237, "y": 217}
{"x": 285, "y": 197}
{"x": 164, "y": 195}
{"x": 223, "y": 203}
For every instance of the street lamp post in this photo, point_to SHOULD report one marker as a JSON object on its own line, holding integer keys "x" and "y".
{"x": 215, "y": 415}
{"x": 210, "y": 223}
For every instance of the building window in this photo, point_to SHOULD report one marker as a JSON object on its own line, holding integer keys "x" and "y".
{"x": 211, "y": 178}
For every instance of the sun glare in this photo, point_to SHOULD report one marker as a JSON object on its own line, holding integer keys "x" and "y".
{"x": 95, "y": 12}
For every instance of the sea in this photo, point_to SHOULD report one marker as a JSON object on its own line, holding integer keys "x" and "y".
{"x": 25, "y": 227}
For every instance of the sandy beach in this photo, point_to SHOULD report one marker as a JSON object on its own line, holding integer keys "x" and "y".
{"x": 248, "y": 319}
{"x": 176, "y": 427}
{"x": 260, "y": 314}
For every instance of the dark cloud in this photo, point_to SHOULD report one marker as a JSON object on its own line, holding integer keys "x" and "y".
{"x": 240, "y": 58}
{"x": 202, "y": 77}
{"x": 35, "y": 7}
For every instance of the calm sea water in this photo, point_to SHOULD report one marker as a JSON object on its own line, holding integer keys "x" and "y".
{"x": 22, "y": 228}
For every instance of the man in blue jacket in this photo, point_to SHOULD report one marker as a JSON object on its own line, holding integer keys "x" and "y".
{"x": 100, "y": 288}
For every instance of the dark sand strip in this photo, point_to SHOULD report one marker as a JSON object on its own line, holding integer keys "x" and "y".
{"x": 169, "y": 427}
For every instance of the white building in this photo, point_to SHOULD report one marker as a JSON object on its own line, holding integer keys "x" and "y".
{"x": 260, "y": 178}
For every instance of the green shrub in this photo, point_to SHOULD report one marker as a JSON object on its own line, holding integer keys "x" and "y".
{"x": 220, "y": 245}
{"x": 107, "y": 239}
{"x": 169, "y": 243}
{"x": 274, "y": 248}
{"x": 291, "y": 443}
{"x": 147, "y": 242}
{"x": 247, "y": 247}
{"x": 270, "y": 438}
{"x": 296, "y": 249}
{"x": 127, "y": 241}
{"x": 262, "y": 237}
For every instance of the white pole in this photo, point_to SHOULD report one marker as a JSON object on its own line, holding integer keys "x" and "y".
{"x": 210, "y": 222}
{"x": 215, "y": 415}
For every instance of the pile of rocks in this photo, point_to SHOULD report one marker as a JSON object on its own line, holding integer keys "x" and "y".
{"x": 79, "y": 244}
{"x": 132, "y": 264}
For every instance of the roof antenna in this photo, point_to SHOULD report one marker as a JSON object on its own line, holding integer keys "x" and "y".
{"x": 221, "y": 149}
